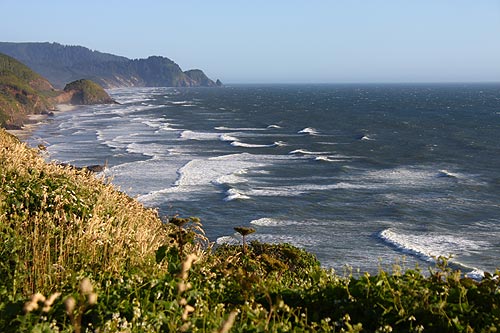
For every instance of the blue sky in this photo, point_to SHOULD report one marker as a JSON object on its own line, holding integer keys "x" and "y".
{"x": 294, "y": 41}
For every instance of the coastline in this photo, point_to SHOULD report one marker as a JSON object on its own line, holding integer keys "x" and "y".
{"x": 33, "y": 121}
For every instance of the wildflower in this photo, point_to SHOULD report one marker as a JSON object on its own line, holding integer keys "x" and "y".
{"x": 183, "y": 286}
{"x": 226, "y": 326}
{"x": 187, "y": 310}
{"x": 92, "y": 299}
{"x": 33, "y": 302}
{"x": 186, "y": 265}
{"x": 70, "y": 304}
{"x": 48, "y": 303}
{"x": 86, "y": 286}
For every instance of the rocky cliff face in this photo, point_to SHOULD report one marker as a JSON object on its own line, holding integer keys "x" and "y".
{"x": 62, "y": 64}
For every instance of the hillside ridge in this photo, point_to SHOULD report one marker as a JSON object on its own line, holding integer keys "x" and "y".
{"x": 62, "y": 64}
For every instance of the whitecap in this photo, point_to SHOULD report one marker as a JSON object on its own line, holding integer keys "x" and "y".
{"x": 251, "y": 145}
{"x": 200, "y": 136}
{"x": 233, "y": 194}
{"x": 227, "y": 240}
{"x": 271, "y": 222}
{"x": 224, "y": 128}
{"x": 446, "y": 173}
{"x": 430, "y": 245}
{"x": 227, "y": 137}
{"x": 180, "y": 102}
{"x": 327, "y": 159}
{"x": 274, "y": 126}
{"x": 308, "y": 130}
{"x": 307, "y": 152}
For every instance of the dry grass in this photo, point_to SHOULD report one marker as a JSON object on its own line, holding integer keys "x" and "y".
{"x": 58, "y": 221}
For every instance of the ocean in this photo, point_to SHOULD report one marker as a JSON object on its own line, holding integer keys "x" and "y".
{"x": 363, "y": 176}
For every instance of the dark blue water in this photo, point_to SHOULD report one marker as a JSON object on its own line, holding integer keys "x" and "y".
{"x": 357, "y": 174}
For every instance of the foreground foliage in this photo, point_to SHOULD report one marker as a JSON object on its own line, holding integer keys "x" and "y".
{"x": 79, "y": 256}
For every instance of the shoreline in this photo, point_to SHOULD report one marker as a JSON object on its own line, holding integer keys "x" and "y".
{"x": 33, "y": 121}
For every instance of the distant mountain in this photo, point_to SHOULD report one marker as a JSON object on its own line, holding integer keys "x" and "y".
{"x": 61, "y": 64}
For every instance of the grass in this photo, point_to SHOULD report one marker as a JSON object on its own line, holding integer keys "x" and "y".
{"x": 80, "y": 256}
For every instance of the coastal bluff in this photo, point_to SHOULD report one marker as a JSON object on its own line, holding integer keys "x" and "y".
{"x": 24, "y": 92}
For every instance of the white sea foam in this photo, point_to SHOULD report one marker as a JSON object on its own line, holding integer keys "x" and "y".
{"x": 297, "y": 190}
{"x": 229, "y": 240}
{"x": 180, "y": 102}
{"x": 416, "y": 176}
{"x": 271, "y": 222}
{"x": 224, "y": 128}
{"x": 307, "y": 152}
{"x": 308, "y": 130}
{"x": 200, "y": 136}
{"x": 234, "y": 178}
{"x": 198, "y": 175}
{"x": 148, "y": 149}
{"x": 233, "y": 194}
{"x": 328, "y": 159}
{"x": 251, "y": 145}
{"x": 274, "y": 126}
{"x": 430, "y": 245}
{"x": 446, "y": 173}
{"x": 227, "y": 137}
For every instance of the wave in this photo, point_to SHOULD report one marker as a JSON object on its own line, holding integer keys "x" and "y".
{"x": 274, "y": 126}
{"x": 447, "y": 174}
{"x": 180, "y": 102}
{"x": 233, "y": 194}
{"x": 236, "y": 143}
{"x": 308, "y": 130}
{"x": 367, "y": 138}
{"x": 150, "y": 149}
{"x": 307, "y": 152}
{"x": 328, "y": 159}
{"x": 430, "y": 246}
{"x": 298, "y": 190}
{"x": 224, "y": 128}
{"x": 251, "y": 145}
{"x": 227, "y": 137}
{"x": 200, "y": 136}
{"x": 270, "y": 222}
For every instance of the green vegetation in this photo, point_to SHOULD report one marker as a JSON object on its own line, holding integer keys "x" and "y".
{"x": 87, "y": 92}
{"x": 77, "y": 255}
{"x": 22, "y": 91}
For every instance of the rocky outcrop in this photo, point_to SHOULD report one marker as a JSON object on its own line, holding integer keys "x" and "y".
{"x": 198, "y": 76}
{"x": 84, "y": 92}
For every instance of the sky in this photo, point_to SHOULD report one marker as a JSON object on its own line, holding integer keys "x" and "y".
{"x": 278, "y": 41}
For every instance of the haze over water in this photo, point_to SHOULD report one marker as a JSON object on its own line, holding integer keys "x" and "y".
{"x": 356, "y": 174}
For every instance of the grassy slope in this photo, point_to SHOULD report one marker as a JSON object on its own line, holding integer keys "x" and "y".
{"x": 22, "y": 91}
{"x": 88, "y": 92}
{"x": 111, "y": 264}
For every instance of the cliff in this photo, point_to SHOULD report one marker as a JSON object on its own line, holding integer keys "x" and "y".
{"x": 22, "y": 92}
{"x": 61, "y": 64}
